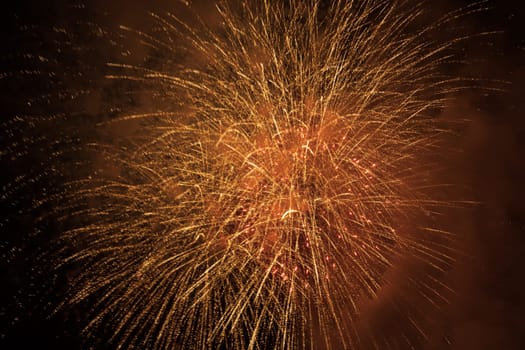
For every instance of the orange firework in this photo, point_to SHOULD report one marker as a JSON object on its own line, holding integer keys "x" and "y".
{"x": 262, "y": 197}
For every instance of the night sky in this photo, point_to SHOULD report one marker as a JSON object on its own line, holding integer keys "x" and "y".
{"x": 487, "y": 309}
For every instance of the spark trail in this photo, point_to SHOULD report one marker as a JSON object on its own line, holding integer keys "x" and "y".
{"x": 264, "y": 194}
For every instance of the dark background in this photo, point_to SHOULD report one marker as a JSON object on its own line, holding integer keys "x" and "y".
{"x": 487, "y": 310}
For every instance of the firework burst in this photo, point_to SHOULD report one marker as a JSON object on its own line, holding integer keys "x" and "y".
{"x": 260, "y": 192}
